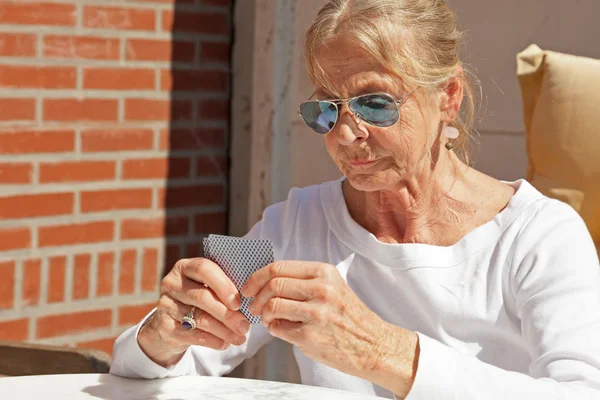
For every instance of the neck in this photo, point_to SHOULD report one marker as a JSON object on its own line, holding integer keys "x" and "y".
{"x": 423, "y": 208}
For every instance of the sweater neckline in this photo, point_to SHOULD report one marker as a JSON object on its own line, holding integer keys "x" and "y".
{"x": 408, "y": 255}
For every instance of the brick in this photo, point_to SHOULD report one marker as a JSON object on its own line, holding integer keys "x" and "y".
{"x": 150, "y": 270}
{"x": 104, "y": 279}
{"x": 81, "y": 110}
{"x": 7, "y": 284}
{"x": 147, "y": 228}
{"x": 36, "y": 205}
{"x": 195, "y": 22}
{"x": 211, "y": 166}
{"x": 37, "y": 13}
{"x": 192, "y": 139}
{"x": 177, "y": 226}
{"x": 81, "y": 47}
{"x": 17, "y": 110}
{"x": 117, "y": 140}
{"x": 119, "y": 18}
{"x": 83, "y": 321}
{"x": 131, "y": 315}
{"x": 158, "y": 110}
{"x": 105, "y": 345}
{"x": 64, "y": 235}
{"x": 160, "y": 50}
{"x": 220, "y": 52}
{"x": 121, "y": 199}
{"x": 28, "y": 142}
{"x": 191, "y": 196}
{"x": 156, "y": 168}
{"x": 77, "y": 171}
{"x": 119, "y": 78}
{"x": 173, "y": 254}
{"x": 14, "y": 238}
{"x": 37, "y": 77}
{"x": 178, "y": 2}
{"x": 15, "y": 173}
{"x": 15, "y": 330}
{"x": 56, "y": 279}
{"x": 216, "y": 2}
{"x": 210, "y": 223}
{"x": 193, "y": 250}
{"x": 17, "y": 45}
{"x": 32, "y": 270}
{"x": 127, "y": 271}
{"x": 81, "y": 276}
{"x": 184, "y": 80}
{"x": 213, "y": 110}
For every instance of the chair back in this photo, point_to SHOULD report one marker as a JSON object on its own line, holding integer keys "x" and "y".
{"x": 561, "y": 103}
{"x": 17, "y": 359}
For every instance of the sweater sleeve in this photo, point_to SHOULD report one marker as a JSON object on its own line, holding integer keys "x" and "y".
{"x": 554, "y": 283}
{"x": 130, "y": 361}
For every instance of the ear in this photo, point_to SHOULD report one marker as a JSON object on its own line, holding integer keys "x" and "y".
{"x": 452, "y": 96}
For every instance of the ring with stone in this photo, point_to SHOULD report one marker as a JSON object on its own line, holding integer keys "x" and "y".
{"x": 188, "y": 322}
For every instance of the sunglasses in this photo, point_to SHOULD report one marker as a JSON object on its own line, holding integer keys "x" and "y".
{"x": 378, "y": 109}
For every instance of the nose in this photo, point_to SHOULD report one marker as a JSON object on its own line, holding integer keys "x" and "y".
{"x": 349, "y": 128}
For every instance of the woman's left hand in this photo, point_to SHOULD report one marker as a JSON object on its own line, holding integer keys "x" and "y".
{"x": 309, "y": 305}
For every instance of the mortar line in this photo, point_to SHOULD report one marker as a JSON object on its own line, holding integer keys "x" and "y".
{"x": 69, "y": 278}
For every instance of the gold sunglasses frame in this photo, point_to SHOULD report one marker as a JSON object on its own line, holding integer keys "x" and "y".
{"x": 338, "y": 102}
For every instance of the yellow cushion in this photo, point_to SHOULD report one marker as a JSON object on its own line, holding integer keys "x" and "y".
{"x": 561, "y": 101}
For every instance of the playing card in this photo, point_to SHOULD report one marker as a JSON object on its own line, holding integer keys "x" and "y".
{"x": 239, "y": 258}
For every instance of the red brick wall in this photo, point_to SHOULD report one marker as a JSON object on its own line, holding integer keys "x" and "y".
{"x": 113, "y": 126}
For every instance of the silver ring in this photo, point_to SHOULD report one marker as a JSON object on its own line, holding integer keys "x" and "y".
{"x": 188, "y": 322}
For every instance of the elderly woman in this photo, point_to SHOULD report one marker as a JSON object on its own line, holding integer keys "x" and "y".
{"x": 414, "y": 275}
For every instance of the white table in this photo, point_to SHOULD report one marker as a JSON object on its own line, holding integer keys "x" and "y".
{"x": 104, "y": 386}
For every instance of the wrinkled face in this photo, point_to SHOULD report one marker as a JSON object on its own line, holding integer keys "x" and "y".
{"x": 374, "y": 158}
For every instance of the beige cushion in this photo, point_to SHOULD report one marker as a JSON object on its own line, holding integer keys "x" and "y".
{"x": 561, "y": 100}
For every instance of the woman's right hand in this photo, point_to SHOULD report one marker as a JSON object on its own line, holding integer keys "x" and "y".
{"x": 200, "y": 283}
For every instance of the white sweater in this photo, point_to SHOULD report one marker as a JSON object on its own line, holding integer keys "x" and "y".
{"x": 511, "y": 311}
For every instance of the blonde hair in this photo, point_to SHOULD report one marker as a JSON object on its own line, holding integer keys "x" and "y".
{"x": 427, "y": 57}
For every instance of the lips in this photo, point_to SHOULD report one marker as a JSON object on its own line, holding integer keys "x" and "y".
{"x": 361, "y": 162}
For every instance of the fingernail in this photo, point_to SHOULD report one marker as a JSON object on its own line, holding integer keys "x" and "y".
{"x": 243, "y": 291}
{"x": 243, "y": 327}
{"x": 225, "y": 346}
{"x": 234, "y": 302}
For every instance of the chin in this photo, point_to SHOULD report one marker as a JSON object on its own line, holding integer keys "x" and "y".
{"x": 370, "y": 182}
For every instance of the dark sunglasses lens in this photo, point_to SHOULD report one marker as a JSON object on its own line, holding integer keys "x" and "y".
{"x": 376, "y": 109}
{"x": 320, "y": 116}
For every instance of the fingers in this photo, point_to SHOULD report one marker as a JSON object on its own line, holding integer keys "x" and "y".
{"x": 207, "y": 272}
{"x": 205, "y": 299}
{"x": 284, "y": 269}
{"x": 290, "y": 310}
{"x": 174, "y": 335}
{"x": 293, "y": 289}
{"x": 289, "y": 331}
{"x": 204, "y": 322}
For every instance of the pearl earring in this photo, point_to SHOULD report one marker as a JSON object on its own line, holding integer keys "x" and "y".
{"x": 451, "y": 133}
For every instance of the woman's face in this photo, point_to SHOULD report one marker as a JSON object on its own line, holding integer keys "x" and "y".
{"x": 374, "y": 158}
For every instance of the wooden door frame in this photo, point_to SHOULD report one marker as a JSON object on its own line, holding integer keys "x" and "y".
{"x": 260, "y": 134}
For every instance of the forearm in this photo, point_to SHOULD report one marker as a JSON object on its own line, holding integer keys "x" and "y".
{"x": 441, "y": 372}
{"x": 394, "y": 364}
{"x": 129, "y": 360}
{"x": 156, "y": 349}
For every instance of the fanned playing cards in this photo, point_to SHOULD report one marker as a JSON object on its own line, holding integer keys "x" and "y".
{"x": 239, "y": 258}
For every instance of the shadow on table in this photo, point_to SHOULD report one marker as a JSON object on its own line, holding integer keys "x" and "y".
{"x": 115, "y": 388}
